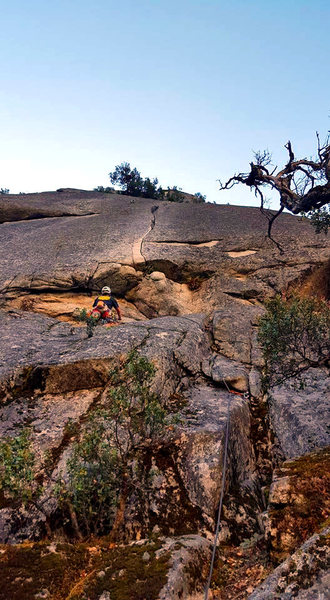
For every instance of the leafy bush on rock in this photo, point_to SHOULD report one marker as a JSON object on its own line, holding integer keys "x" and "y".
{"x": 294, "y": 335}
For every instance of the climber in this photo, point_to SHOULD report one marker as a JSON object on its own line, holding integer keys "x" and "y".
{"x": 103, "y": 305}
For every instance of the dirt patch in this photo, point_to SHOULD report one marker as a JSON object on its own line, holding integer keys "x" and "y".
{"x": 238, "y": 570}
{"x": 316, "y": 283}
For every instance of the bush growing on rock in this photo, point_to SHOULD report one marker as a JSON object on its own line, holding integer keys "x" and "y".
{"x": 320, "y": 219}
{"x": 107, "y": 460}
{"x": 295, "y": 335}
{"x": 17, "y": 469}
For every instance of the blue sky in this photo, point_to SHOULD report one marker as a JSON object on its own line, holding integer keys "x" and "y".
{"x": 184, "y": 90}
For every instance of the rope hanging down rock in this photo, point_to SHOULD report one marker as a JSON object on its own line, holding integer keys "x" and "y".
{"x": 224, "y": 467}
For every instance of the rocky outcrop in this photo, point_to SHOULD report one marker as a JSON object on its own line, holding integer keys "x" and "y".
{"x": 299, "y": 413}
{"x": 49, "y": 390}
{"x": 298, "y": 502}
{"x": 303, "y": 576}
{"x": 191, "y": 281}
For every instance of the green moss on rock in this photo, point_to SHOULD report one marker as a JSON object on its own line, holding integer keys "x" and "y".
{"x": 308, "y": 508}
{"x": 82, "y": 571}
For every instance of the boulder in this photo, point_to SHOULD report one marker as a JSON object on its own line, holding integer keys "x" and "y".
{"x": 304, "y": 575}
{"x": 233, "y": 330}
{"x": 299, "y": 413}
{"x": 189, "y": 556}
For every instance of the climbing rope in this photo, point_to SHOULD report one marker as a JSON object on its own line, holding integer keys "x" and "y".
{"x": 224, "y": 467}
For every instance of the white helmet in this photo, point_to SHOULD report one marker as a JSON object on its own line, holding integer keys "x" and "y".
{"x": 106, "y": 290}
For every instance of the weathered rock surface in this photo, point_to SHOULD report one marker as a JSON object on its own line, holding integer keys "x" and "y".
{"x": 188, "y": 553}
{"x": 233, "y": 330}
{"x": 53, "y": 388}
{"x": 299, "y": 502}
{"x": 299, "y": 413}
{"x": 65, "y": 252}
{"x": 303, "y": 576}
{"x": 199, "y": 273}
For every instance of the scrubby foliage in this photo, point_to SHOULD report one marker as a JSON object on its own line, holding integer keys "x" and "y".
{"x": 88, "y": 493}
{"x": 17, "y": 469}
{"x": 174, "y": 194}
{"x": 104, "y": 190}
{"x": 199, "y": 198}
{"x": 295, "y": 335}
{"x": 320, "y": 219}
{"x": 4, "y": 191}
{"x": 106, "y": 460}
{"x": 132, "y": 184}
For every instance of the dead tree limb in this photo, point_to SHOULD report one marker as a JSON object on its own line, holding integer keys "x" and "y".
{"x": 303, "y": 185}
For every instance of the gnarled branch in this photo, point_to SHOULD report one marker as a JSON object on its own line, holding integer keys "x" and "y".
{"x": 296, "y": 194}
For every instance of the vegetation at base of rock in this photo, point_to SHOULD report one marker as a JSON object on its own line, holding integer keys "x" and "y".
{"x": 106, "y": 462}
{"x": 17, "y": 470}
{"x": 238, "y": 570}
{"x": 28, "y": 568}
{"x": 69, "y": 571}
{"x": 126, "y": 575}
{"x": 294, "y": 335}
{"x": 309, "y": 506}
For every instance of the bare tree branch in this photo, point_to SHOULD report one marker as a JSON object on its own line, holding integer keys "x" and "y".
{"x": 297, "y": 194}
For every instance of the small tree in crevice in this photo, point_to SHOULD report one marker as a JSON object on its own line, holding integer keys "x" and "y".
{"x": 294, "y": 335}
{"x": 107, "y": 460}
{"x": 17, "y": 469}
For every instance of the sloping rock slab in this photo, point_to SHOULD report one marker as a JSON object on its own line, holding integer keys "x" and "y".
{"x": 40, "y": 353}
{"x": 299, "y": 413}
{"x": 303, "y": 576}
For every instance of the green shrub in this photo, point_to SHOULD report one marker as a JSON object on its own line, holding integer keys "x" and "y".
{"x": 17, "y": 469}
{"x": 107, "y": 460}
{"x": 88, "y": 493}
{"x": 320, "y": 219}
{"x": 80, "y": 314}
{"x": 294, "y": 335}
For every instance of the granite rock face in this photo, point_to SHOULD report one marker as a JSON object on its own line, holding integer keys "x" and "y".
{"x": 54, "y": 388}
{"x": 299, "y": 413}
{"x": 303, "y": 576}
{"x": 191, "y": 281}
